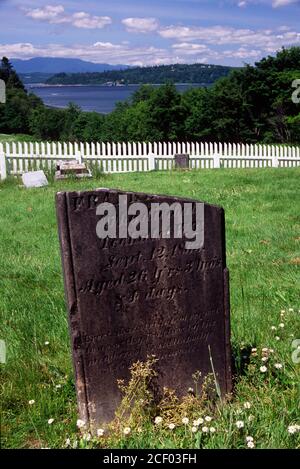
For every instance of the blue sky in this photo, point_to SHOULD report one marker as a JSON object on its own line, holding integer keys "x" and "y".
{"x": 140, "y": 32}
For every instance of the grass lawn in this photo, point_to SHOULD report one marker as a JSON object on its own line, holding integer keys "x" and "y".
{"x": 16, "y": 138}
{"x": 263, "y": 254}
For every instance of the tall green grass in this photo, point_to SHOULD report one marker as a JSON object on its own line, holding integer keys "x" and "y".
{"x": 263, "y": 254}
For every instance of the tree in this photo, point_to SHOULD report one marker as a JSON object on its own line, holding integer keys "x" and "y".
{"x": 8, "y": 74}
{"x": 46, "y": 123}
{"x": 88, "y": 126}
{"x": 71, "y": 114}
{"x": 166, "y": 114}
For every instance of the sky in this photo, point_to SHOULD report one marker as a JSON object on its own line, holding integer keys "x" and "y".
{"x": 149, "y": 32}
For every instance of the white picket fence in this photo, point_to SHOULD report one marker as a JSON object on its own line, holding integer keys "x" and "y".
{"x": 17, "y": 158}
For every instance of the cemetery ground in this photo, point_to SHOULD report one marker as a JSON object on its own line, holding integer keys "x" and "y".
{"x": 38, "y": 400}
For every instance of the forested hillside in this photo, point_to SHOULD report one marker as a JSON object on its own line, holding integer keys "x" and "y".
{"x": 252, "y": 104}
{"x": 195, "y": 73}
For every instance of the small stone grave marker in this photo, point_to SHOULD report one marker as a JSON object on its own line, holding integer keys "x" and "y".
{"x": 66, "y": 169}
{"x": 182, "y": 161}
{"x": 34, "y": 179}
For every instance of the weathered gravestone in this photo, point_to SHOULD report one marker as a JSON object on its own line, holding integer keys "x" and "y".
{"x": 34, "y": 179}
{"x": 182, "y": 161}
{"x": 65, "y": 169}
{"x": 129, "y": 298}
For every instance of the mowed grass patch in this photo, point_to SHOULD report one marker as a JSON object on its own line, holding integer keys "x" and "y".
{"x": 263, "y": 244}
{"x": 16, "y": 138}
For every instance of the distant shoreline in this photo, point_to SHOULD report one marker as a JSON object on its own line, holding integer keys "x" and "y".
{"x": 45, "y": 85}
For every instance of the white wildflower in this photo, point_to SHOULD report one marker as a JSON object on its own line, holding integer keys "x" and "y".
{"x": 249, "y": 438}
{"x": 212, "y": 430}
{"x": 278, "y": 366}
{"x": 100, "y": 432}
{"x": 158, "y": 420}
{"x": 198, "y": 422}
{"x": 87, "y": 437}
{"x": 208, "y": 419}
{"x": 240, "y": 424}
{"x": 185, "y": 420}
{"x": 47, "y": 343}
{"x": 247, "y": 405}
{"x": 264, "y": 359}
{"x": 80, "y": 423}
{"x": 273, "y": 328}
{"x": 31, "y": 402}
{"x": 293, "y": 429}
{"x": 263, "y": 369}
{"x": 68, "y": 442}
{"x": 250, "y": 444}
{"x": 194, "y": 429}
{"x": 126, "y": 430}
{"x": 171, "y": 426}
{"x": 50, "y": 421}
{"x": 277, "y": 338}
{"x": 281, "y": 325}
{"x": 205, "y": 429}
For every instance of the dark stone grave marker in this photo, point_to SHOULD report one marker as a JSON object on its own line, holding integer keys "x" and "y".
{"x": 129, "y": 298}
{"x": 182, "y": 161}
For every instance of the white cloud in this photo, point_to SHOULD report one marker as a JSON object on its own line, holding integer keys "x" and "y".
{"x": 99, "y": 52}
{"x": 243, "y": 53}
{"x": 84, "y": 20}
{"x": 283, "y": 3}
{"x": 55, "y": 14}
{"x": 187, "y": 48}
{"x": 223, "y": 35}
{"x": 273, "y": 3}
{"x": 48, "y": 13}
{"x": 140, "y": 25}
